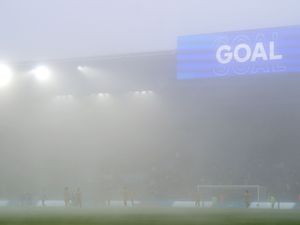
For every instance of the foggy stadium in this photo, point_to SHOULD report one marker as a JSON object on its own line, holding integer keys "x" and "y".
{"x": 112, "y": 114}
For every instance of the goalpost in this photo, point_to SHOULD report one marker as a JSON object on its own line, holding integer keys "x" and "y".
{"x": 257, "y": 188}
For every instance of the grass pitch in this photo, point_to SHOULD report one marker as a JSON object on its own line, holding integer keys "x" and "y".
{"x": 158, "y": 216}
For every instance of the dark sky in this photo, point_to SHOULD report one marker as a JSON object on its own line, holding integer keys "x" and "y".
{"x": 46, "y": 29}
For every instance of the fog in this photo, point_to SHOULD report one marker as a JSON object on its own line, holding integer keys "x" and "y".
{"x": 160, "y": 145}
{"x": 40, "y": 30}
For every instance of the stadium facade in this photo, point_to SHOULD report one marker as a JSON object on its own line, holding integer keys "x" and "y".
{"x": 155, "y": 134}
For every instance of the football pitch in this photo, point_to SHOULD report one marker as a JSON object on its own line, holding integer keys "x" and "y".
{"x": 145, "y": 216}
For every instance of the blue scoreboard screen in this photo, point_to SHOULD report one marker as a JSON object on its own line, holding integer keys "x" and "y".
{"x": 262, "y": 51}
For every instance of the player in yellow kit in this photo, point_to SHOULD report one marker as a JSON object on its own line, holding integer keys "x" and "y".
{"x": 67, "y": 197}
{"x": 78, "y": 197}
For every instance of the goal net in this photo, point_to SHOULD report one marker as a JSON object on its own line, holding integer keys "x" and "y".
{"x": 229, "y": 194}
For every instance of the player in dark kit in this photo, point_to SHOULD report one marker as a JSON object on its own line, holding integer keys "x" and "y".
{"x": 198, "y": 199}
{"x": 125, "y": 194}
{"x": 44, "y": 196}
{"x": 247, "y": 197}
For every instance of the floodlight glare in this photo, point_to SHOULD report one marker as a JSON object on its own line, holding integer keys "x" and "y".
{"x": 103, "y": 95}
{"x": 5, "y": 75}
{"x": 82, "y": 68}
{"x": 41, "y": 73}
{"x": 63, "y": 98}
{"x": 143, "y": 93}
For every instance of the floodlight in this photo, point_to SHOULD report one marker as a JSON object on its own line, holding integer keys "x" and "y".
{"x": 41, "y": 73}
{"x": 5, "y": 75}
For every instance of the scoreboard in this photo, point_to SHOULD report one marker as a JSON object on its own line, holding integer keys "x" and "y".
{"x": 261, "y": 51}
